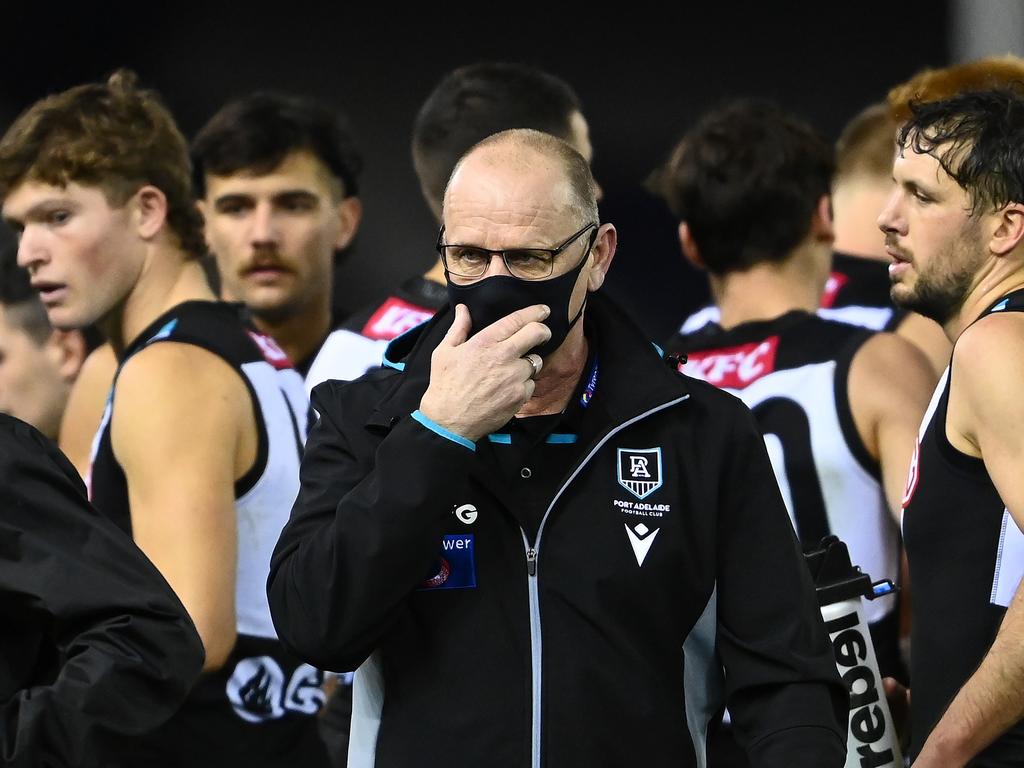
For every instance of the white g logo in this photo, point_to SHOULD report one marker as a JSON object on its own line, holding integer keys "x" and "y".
{"x": 466, "y": 513}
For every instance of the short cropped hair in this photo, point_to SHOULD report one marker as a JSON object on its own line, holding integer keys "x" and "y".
{"x": 256, "y": 132}
{"x": 476, "y": 101}
{"x": 989, "y": 73}
{"x": 114, "y": 136}
{"x": 21, "y": 304}
{"x": 574, "y": 166}
{"x": 866, "y": 145}
{"x": 978, "y": 139}
{"x": 747, "y": 179}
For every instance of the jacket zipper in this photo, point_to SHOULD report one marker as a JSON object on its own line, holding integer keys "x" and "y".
{"x": 532, "y": 554}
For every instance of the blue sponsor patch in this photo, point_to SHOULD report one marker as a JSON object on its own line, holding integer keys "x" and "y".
{"x": 455, "y": 565}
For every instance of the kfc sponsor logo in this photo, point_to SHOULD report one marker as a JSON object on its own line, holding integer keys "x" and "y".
{"x": 272, "y": 353}
{"x": 393, "y": 318}
{"x": 733, "y": 367}
{"x": 833, "y": 286}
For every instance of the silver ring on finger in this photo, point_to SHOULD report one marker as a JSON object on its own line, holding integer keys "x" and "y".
{"x": 534, "y": 360}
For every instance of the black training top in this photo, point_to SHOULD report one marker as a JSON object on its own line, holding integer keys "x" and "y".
{"x": 94, "y": 647}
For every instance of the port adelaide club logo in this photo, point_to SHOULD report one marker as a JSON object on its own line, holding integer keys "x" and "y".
{"x": 639, "y": 471}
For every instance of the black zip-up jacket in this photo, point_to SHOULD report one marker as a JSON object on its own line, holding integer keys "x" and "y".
{"x": 95, "y": 648}
{"x": 665, "y": 580}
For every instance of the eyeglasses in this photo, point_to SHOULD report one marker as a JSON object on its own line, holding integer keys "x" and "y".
{"x": 524, "y": 263}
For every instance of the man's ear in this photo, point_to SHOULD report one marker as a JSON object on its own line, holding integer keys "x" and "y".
{"x": 602, "y": 254}
{"x": 150, "y": 211}
{"x": 350, "y": 213}
{"x": 67, "y": 350}
{"x": 822, "y": 224}
{"x": 689, "y": 246}
{"x": 1009, "y": 229}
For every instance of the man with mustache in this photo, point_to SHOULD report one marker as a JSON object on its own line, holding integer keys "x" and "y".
{"x": 277, "y": 177}
{"x": 954, "y": 229}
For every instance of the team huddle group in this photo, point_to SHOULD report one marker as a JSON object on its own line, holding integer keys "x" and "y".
{"x": 486, "y": 521}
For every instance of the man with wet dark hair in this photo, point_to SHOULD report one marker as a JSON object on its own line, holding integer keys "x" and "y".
{"x": 839, "y": 405}
{"x": 954, "y": 231}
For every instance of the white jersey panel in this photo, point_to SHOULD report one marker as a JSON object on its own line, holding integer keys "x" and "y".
{"x": 345, "y": 355}
{"x": 263, "y": 511}
{"x": 854, "y": 500}
{"x": 875, "y": 318}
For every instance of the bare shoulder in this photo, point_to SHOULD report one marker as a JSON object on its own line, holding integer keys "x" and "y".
{"x": 890, "y": 361}
{"x": 988, "y": 361}
{"x": 175, "y": 389}
{"x": 993, "y": 345}
{"x": 99, "y": 368}
{"x": 178, "y": 371}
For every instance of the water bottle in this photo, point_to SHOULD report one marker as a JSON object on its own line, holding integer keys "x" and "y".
{"x": 871, "y": 740}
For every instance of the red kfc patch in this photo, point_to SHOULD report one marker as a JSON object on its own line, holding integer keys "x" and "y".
{"x": 733, "y": 367}
{"x": 393, "y": 318}
{"x": 272, "y": 353}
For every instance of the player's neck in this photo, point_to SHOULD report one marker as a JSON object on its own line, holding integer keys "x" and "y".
{"x": 558, "y": 378}
{"x": 991, "y": 286}
{"x": 168, "y": 277}
{"x": 765, "y": 292}
{"x": 301, "y": 334}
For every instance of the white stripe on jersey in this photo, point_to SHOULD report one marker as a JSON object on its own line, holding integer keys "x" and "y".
{"x": 875, "y": 318}
{"x": 263, "y": 511}
{"x": 1009, "y": 562}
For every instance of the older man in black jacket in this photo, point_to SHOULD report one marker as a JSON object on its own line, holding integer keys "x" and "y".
{"x": 541, "y": 544}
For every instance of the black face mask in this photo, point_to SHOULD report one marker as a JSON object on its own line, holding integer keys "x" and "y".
{"x": 495, "y": 297}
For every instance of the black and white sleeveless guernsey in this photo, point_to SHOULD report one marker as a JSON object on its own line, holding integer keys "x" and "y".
{"x": 792, "y": 372}
{"x": 966, "y": 559}
{"x": 259, "y": 708}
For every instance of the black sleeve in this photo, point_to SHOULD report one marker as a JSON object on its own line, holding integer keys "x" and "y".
{"x": 788, "y": 704}
{"x": 104, "y": 650}
{"x": 363, "y": 531}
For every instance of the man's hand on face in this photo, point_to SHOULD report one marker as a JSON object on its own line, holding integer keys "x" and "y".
{"x": 477, "y": 384}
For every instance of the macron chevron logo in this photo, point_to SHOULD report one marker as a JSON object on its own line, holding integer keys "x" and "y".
{"x": 640, "y": 538}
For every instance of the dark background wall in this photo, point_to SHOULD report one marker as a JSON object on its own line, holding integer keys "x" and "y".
{"x": 642, "y": 77}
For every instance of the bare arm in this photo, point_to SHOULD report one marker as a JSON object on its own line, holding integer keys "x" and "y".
{"x": 890, "y": 385}
{"x": 84, "y": 409}
{"x": 986, "y": 419}
{"x": 183, "y": 430}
